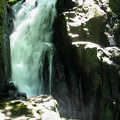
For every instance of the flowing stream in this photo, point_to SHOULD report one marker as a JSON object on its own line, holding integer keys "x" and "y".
{"x": 30, "y": 40}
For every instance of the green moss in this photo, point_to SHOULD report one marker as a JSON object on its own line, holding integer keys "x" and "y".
{"x": 89, "y": 55}
{"x": 1, "y": 106}
{"x": 96, "y": 82}
{"x": 16, "y": 108}
{"x": 11, "y": 2}
{"x": 115, "y": 5}
{"x": 106, "y": 112}
{"x": 19, "y": 110}
{"x": 109, "y": 114}
{"x": 94, "y": 26}
{"x": 40, "y": 112}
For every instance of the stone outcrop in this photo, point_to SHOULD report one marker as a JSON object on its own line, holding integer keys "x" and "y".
{"x": 94, "y": 21}
{"x": 35, "y": 108}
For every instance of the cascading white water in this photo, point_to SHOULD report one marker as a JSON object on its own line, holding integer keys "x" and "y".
{"x": 30, "y": 40}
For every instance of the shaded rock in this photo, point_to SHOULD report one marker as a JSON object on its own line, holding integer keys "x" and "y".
{"x": 66, "y": 82}
{"x": 100, "y": 80}
{"x": 64, "y": 5}
{"x": 114, "y": 4}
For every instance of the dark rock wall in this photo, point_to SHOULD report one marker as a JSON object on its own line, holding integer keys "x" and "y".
{"x": 5, "y": 65}
{"x": 2, "y": 71}
{"x": 67, "y": 92}
{"x": 64, "y": 5}
{"x": 100, "y": 84}
{"x": 94, "y": 60}
{"x": 1, "y": 30}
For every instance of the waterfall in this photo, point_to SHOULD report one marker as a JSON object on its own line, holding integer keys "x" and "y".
{"x": 30, "y": 40}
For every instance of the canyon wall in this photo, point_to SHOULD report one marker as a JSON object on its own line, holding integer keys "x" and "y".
{"x": 87, "y": 35}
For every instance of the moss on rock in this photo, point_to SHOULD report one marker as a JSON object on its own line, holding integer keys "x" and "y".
{"x": 106, "y": 112}
{"x": 35, "y": 108}
{"x": 11, "y": 2}
{"x": 15, "y": 108}
{"x": 115, "y": 5}
{"x": 95, "y": 27}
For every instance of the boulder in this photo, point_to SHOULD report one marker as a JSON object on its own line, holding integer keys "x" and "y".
{"x": 42, "y": 107}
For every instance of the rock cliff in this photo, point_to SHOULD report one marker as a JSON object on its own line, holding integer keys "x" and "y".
{"x": 93, "y": 28}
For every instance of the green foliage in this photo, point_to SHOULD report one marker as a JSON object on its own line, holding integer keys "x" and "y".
{"x": 11, "y": 2}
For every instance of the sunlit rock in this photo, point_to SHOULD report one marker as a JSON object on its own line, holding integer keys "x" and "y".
{"x": 85, "y": 21}
{"x": 108, "y": 54}
{"x": 94, "y": 21}
{"x": 42, "y": 107}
